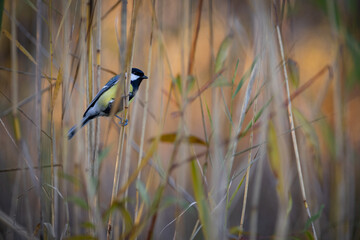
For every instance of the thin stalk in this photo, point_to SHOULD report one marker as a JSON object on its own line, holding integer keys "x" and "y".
{"x": 14, "y": 65}
{"x": 241, "y": 227}
{"x": 51, "y": 117}
{"x": 130, "y": 61}
{"x": 116, "y": 179}
{"x": 14, "y": 100}
{"x": 293, "y": 134}
{"x": 98, "y": 80}
{"x": 118, "y": 162}
{"x": 257, "y": 182}
{"x": 211, "y": 46}
{"x": 196, "y": 35}
{"x": 89, "y": 85}
{"x": 38, "y": 111}
{"x": 15, "y": 226}
{"x": 146, "y": 104}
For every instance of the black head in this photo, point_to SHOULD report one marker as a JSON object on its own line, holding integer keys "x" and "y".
{"x": 136, "y": 78}
{"x": 139, "y": 73}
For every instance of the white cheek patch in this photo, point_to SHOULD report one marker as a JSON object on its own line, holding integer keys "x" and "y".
{"x": 133, "y": 77}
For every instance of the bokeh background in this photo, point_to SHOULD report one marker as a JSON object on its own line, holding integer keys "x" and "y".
{"x": 210, "y": 150}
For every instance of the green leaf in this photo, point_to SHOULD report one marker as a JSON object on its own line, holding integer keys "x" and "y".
{"x": 78, "y": 201}
{"x": 235, "y": 72}
{"x": 314, "y": 217}
{"x": 243, "y": 78}
{"x": 126, "y": 217}
{"x": 309, "y": 235}
{"x": 190, "y": 83}
{"x": 171, "y": 137}
{"x": 1, "y": 11}
{"x": 88, "y": 225}
{"x": 222, "y": 54}
{"x": 235, "y": 230}
{"x": 312, "y": 139}
{"x": 203, "y": 207}
{"x": 177, "y": 82}
{"x": 227, "y": 111}
{"x": 209, "y": 115}
{"x": 290, "y": 205}
{"x": 294, "y": 74}
{"x": 235, "y": 192}
{"x": 328, "y": 136}
{"x": 274, "y": 157}
{"x": 69, "y": 178}
{"x": 171, "y": 201}
{"x": 254, "y": 98}
{"x": 221, "y": 82}
{"x": 354, "y": 70}
{"x": 257, "y": 116}
{"x": 142, "y": 191}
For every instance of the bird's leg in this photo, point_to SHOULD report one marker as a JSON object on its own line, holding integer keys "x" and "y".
{"x": 123, "y": 123}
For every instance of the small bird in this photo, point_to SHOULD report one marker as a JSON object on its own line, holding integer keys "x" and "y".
{"x": 102, "y": 103}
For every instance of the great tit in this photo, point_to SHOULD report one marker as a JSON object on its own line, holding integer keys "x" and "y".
{"x": 102, "y": 103}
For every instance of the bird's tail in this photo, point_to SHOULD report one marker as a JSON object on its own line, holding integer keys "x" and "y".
{"x": 72, "y": 132}
{"x": 75, "y": 128}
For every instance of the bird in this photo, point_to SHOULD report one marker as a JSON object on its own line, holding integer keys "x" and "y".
{"x": 103, "y": 102}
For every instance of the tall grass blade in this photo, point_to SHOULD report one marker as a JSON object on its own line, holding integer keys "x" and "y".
{"x": 203, "y": 207}
{"x": 293, "y": 134}
{"x": 222, "y": 54}
{"x": 18, "y": 45}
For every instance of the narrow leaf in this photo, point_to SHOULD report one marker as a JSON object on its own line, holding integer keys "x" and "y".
{"x": 243, "y": 79}
{"x": 78, "y": 201}
{"x": 177, "y": 81}
{"x": 21, "y": 48}
{"x": 203, "y": 207}
{"x": 57, "y": 88}
{"x": 143, "y": 193}
{"x": 294, "y": 74}
{"x": 209, "y": 115}
{"x": 314, "y": 217}
{"x": 257, "y": 116}
{"x": 190, "y": 83}
{"x": 171, "y": 137}
{"x": 274, "y": 157}
{"x": 88, "y": 225}
{"x": 1, "y": 11}
{"x": 17, "y": 129}
{"x": 235, "y": 192}
{"x": 235, "y": 72}
{"x": 222, "y": 54}
{"x": 221, "y": 82}
{"x": 126, "y": 217}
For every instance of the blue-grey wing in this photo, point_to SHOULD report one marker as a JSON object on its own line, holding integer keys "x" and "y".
{"x": 107, "y": 86}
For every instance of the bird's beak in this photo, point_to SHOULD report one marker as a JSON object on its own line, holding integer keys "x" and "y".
{"x": 144, "y": 77}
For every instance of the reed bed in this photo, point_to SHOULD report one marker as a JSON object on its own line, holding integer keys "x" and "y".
{"x": 246, "y": 128}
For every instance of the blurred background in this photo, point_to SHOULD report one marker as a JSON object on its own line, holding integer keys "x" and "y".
{"x": 247, "y": 127}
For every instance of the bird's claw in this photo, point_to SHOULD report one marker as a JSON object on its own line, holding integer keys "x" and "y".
{"x": 122, "y": 123}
